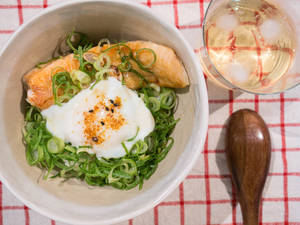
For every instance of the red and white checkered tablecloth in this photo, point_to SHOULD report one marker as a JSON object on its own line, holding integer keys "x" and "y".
{"x": 206, "y": 195}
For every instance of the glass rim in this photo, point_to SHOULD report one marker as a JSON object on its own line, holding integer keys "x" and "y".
{"x": 225, "y": 81}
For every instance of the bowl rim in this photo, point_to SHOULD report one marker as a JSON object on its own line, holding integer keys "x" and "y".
{"x": 199, "y": 133}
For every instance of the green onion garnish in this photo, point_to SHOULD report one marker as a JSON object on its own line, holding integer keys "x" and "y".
{"x": 55, "y": 145}
{"x": 118, "y": 46}
{"x": 124, "y": 66}
{"x": 125, "y": 148}
{"x": 137, "y": 131}
{"x": 102, "y": 62}
{"x": 103, "y": 41}
{"x": 63, "y": 160}
{"x": 140, "y": 147}
{"x": 63, "y": 82}
{"x": 100, "y": 76}
{"x": 77, "y": 39}
{"x": 127, "y": 172}
{"x": 167, "y": 99}
{"x": 142, "y": 78}
{"x": 154, "y": 104}
{"x": 137, "y": 57}
{"x": 81, "y": 79}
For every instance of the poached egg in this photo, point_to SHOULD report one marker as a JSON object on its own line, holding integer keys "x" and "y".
{"x": 104, "y": 118}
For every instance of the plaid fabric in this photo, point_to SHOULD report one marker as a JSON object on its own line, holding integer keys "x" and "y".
{"x": 206, "y": 196}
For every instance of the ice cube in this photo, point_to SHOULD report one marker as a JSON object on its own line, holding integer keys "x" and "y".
{"x": 227, "y": 22}
{"x": 237, "y": 72}
{"x": 270, "y": 29}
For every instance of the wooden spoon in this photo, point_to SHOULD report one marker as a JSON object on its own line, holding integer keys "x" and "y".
{"x": 248, "y": 152}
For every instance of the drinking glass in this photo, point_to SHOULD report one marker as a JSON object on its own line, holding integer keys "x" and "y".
{"x": 252, "y": 45}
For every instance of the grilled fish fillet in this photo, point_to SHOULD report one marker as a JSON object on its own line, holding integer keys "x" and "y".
{"x": 167, "y": 71}
{"x": 39, "y": 80}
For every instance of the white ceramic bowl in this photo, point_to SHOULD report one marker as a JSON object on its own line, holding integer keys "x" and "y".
{"x": 74, "y": 202}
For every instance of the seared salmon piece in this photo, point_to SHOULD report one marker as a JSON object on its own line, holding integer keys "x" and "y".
{"x": 39, "y": 80}
{"x": 167, "y": 71}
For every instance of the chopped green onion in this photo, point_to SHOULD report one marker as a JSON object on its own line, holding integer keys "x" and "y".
{"x": 140, "y": 147}
{"x": 142, "y": 78}
{"x": 85, "y": 146}
{"x": 31, "y": 156}
{"x": 118, "y": 46}
{"x": 124, "y": 66}
{"x": 29, "y": 113}
{"x": 164, "y": 153}
{"x": 62, "y": 81}
{"x": 103, "y": 41}
{"x": 146, "y": 96}
{"x": 70, "y": 148}
{"x": 67, "y": 161}
{"x": 167, "y": 99}
{"x": 124, "y": 146}
{"x": 102, "y": 62}
{"x": 110, "y": 178}
{"x": 82, "y": 41}
{"x": 129, "y": 166}
{"x": 154, "y": 104}
{"x": 55, "y": 145}
{"x": 100, "y": 76}
{"x": 81, "y": 79}
{"x": 123, "y": 79}
{"x": 79, "y": 56}
{"x": 69, "y": 42}
{"x": 142, "y": 96}
{"x": 90, "y": 57}
{"x": 137, "y": 57}
{"x": 40, "y": 153}
{"x": 151, "y": 171}
{"x": 155, "y": 87}
{"x": 137, "y": 131}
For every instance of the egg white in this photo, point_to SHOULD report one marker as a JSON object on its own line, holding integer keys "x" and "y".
{"x": 66, "y": 121}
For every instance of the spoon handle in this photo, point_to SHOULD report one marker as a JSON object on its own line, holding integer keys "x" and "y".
{"x": 250, "y": 212}
{"x": 248, "y": 152}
